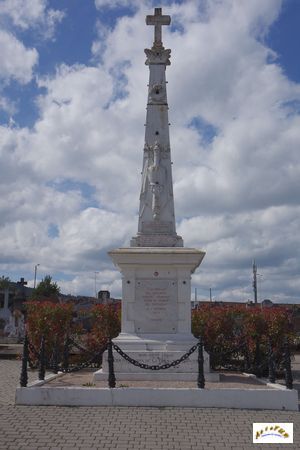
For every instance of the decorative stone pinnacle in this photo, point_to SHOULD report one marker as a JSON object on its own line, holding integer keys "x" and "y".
{"x": 158, "y": 20}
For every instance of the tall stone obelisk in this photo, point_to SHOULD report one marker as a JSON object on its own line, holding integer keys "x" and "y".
{"x": 156, "y": 226}
{"x": 156, "y": 269}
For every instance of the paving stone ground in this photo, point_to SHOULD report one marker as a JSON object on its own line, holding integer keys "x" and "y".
{"x": 108, "y": 428}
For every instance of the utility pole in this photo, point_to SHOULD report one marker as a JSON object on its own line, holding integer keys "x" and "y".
{"x": 255, "y": 281}
{"x": 195, "y": 301}
{"x": 210, "y": 296}
{"x": 35, "y": 271}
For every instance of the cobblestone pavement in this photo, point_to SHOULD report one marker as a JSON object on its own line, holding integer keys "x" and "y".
{"x": 107, "y": 428}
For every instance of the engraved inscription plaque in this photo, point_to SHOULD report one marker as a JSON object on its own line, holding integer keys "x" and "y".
{"x": 156, "y": 306}
{"x": 160, "y": 227}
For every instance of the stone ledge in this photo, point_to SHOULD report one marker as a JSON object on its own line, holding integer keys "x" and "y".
{"x": 272, "y": 398}
{"x": 235, "y": 390}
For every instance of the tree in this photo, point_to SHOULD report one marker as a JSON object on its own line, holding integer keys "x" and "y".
{"x": 46, "y": 289}
{"x": 4, "y": 286}
{"x": 4, "y": 282}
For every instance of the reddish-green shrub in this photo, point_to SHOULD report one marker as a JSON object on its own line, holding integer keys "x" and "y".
{"x": 51, "y": 320}
{"x": 106, "y": 323}
{"x": 226, "y": 328}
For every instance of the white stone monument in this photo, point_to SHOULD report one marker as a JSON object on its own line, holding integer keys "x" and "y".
{"x": 156, "y": 269}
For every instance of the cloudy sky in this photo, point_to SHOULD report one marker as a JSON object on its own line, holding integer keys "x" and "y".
{"x": 72, "y": 111}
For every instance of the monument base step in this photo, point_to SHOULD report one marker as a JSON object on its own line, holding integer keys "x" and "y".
{"x": 273, "y": 396}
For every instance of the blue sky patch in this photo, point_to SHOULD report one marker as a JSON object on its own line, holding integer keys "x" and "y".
{"x": 53, "y": 230}
{"x": 284, "y": 38}
{"x": 206, "y": 130}
{"x": 74, "y": 36}
{"x": 176, "y": 26}
{"x": 110, "y": 16}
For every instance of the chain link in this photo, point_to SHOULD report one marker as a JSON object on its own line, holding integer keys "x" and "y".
{"x": 90, "y": 363}
{"x": 84, "y": 365}
{"x": 155, "y": 367}
{"x": 79, "y": 347}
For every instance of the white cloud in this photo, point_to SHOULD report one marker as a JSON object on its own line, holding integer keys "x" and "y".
{"x": 82, "y": 135}
{"x": 7, "y": 105}
{"x": 17, "y": 61}
{"x": 25, "y": 14}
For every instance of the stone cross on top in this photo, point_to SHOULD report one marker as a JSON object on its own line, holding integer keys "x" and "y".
{"x": 22, "y": 282}
{"x": 158, "y": 20}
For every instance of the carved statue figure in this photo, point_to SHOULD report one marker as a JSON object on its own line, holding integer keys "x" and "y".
{"x": 154, "y": 175}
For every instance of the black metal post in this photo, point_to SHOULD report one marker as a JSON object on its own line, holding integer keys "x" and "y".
{"x": 42, "y": 369}
{"x": 111, "y": 372}
{"x": 24, "y": 374}
{"x": 287, "y": 365}
{"x": 201, "y": 379}
{"x": 247, "y": 357}
{"x": 55, "y": 357}
{"x": 271, "y": 363}
{"x": 257, "y": 358}
{"x": 65, "y": 364}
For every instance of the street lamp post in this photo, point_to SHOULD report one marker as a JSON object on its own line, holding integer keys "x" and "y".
{"x": 35, "y": 271}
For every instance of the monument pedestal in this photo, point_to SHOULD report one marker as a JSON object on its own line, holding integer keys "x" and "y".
{"x": 156, "y": 313}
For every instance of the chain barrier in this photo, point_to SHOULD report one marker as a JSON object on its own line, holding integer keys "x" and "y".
{"x": 84, "y": 365}
{"x": 79, "y": 346}
{"x": 92, "y": 363}
{"x": 52, "y": 365}
{"x": 136, "y": 363}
